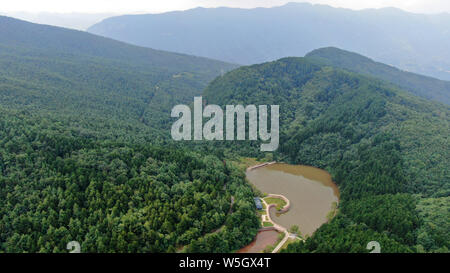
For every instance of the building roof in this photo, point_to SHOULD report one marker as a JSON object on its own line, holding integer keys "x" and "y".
{"x": 258, "y": 203}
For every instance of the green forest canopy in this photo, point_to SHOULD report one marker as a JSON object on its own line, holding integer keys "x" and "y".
{"x": 381, "y": 145}
{"x": 85, "y": 154}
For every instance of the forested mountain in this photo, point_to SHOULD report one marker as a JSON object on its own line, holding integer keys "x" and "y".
{"x": 413, "y": 42}
{"x": 57, "y": 186}
{"x": 95, "y": 81}
{"x": 381, "y": 145}
{"x": 419, "y": 85}
{"x": 84, "y": 152}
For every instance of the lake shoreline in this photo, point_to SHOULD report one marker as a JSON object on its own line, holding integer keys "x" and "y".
{"x": 315, "y": 196}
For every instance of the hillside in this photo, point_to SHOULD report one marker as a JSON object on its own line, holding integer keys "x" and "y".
{"x": 380, "y": 144}
{"x": 82, "y": 76}
{"x": 86, "y": 155}
{"x": 419, "y": 85}
{"x": 413, "y": 42}
{"x": 84, "y": 152}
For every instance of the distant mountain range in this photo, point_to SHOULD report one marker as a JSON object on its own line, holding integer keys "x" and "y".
{"x": 73, "y": 20}
{"x": 85, "y": 152}
{"x": 413, "y": 42}
{"x": 422, "y": 86}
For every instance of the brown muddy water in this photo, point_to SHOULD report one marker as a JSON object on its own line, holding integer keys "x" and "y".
{"x": 310, "y": 190}
{"x": 262, "y": 240}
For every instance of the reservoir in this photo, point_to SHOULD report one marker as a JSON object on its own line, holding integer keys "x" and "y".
{"x": 311, "y": 192}
{"x": 262, "y": 240}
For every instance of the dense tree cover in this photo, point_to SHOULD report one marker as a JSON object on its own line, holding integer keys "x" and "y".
{"x": 240, "y": 227}
{"x": 370, "y": 179}
{"x": 344, "y": 236}
{"x": 373, "y": 168}
{"x": 433, "y": 235}
{"x": 85, "y": 153}
{"x": 394, "y": 214}
{"x": 57, "y": 186}
{"x": 329, "y": 117}
{"x": 94, "y": 81}
{"x": 379, "y": 143}
{"x": 419, "y": 85}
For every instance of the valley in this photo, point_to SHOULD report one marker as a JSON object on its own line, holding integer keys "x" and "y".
{"x": 86, "y": 152}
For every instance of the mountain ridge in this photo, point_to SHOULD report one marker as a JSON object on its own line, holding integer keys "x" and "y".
{"x": 66, "y": 70}
{"x": 423, "y": 86}
{"x": 86, "y": 153}
{"x": 385, "y": 148}
{"x": 388, "y": 35}
{"x": 51, "y": 37}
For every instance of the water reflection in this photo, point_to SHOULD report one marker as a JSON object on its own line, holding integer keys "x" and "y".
{"x": 310, "y": 190}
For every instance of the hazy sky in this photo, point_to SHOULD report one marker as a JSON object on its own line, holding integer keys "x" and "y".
{"x": 155, "y": 6}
